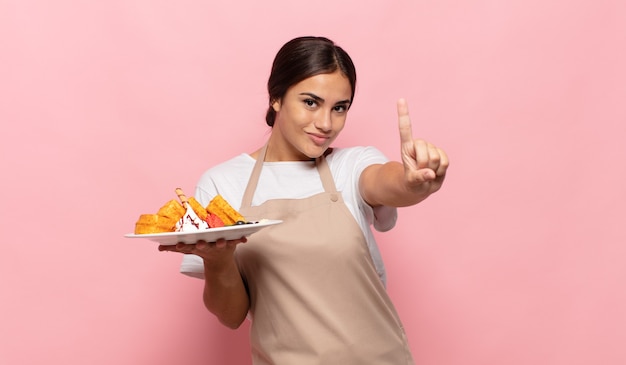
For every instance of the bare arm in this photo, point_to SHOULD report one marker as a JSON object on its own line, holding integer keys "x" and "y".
{"x": 224, "y": 293}
{"x": 421, "y": 173}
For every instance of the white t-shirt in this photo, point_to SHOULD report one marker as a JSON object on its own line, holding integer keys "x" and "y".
{"x": 297, "y": 180}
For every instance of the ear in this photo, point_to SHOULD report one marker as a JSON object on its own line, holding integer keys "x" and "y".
{"x": 276, "y": 105}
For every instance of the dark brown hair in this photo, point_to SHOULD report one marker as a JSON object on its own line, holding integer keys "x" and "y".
{"x": 301, "y": 58}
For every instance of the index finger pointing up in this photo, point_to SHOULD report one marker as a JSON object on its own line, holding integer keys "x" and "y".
{"x": 404, "y": 122}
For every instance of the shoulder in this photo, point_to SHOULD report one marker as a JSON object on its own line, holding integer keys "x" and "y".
{"x": 239, "y": 162}
{"x": 356, "y": 152}
{"x": 232, "y": 168}
{"x": 226, "y": 178}
{"x": 358, "y": 157}
{"x": 347, "y": 164}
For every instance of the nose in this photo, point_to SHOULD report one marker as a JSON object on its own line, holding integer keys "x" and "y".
{"x": 323, "y": 120}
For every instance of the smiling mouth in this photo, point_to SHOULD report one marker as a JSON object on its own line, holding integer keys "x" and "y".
{"x": 318, "y": 139}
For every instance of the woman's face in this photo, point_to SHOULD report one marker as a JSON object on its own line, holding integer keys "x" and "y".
{"x": 309, "y": 117}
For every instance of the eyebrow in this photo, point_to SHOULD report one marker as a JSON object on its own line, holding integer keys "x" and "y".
{"x": 321, "y": 100}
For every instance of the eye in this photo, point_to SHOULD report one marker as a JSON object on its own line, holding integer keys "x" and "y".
{"x": 341, "y": 108}
{"x": 310, "y": 103}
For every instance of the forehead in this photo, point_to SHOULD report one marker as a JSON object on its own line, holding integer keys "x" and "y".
{"x": 325, "y": 85}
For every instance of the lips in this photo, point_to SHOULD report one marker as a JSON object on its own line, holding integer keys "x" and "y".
{"x": 318, "y": 139}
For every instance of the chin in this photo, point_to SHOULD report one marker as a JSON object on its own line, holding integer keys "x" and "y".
{"x": 316, "y": 152}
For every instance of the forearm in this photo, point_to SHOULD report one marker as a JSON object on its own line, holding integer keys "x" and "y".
{"x": 225, "y": 294}
{"x": 386, "y": 184}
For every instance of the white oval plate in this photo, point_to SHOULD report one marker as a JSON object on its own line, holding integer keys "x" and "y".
{"x": 208, "y": 235}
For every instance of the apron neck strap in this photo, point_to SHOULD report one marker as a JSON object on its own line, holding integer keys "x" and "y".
{"x": 322, "y": 167}
{"x": 327, "y": 178}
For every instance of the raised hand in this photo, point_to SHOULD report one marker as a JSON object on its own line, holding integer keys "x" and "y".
{"x": 425, "y": 164}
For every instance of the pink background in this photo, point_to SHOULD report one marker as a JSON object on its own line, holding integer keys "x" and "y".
{"x": 107, "y": 107}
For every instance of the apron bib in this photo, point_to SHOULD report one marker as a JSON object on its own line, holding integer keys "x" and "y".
{"x": 315, "y": 296}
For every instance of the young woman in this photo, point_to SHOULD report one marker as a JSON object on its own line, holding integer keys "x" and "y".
{"x": 314, "y": 285}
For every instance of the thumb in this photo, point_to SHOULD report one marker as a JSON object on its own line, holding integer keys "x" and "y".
{"x": 421, "y": 176}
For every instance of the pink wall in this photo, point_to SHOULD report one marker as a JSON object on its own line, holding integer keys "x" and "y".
{"x": 106, "y": 107}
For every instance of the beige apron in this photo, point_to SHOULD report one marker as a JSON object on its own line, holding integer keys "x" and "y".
{"x": 315, "y": 295}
